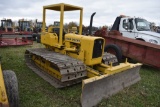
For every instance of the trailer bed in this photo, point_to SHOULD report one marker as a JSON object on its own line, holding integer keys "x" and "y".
{"x": 15, "y": 40}
{"x": 144, "y": 52}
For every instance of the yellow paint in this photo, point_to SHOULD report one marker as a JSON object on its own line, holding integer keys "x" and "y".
{"x": 92, "y": 73}
{"x": 3, "y": 95}
{"x": 46, "y": 66}
{"x": 72, "y": 30}
{"x": 78, "y": 46}
{"x": 122, "y": 67}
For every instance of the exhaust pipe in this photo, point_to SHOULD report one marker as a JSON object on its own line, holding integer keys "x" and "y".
{"x": 91, "y": 21}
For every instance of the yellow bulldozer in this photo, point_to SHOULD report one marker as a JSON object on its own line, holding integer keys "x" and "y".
{"x": 8, "y": 89}
{"x": 71, "y": 58}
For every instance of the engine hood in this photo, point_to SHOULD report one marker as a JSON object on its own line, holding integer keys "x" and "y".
{"x": 150, "y": 33}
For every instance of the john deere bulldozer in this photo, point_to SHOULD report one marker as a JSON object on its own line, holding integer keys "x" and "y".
{"x": 8, "y": 89}
{"x": 72, "y": 58}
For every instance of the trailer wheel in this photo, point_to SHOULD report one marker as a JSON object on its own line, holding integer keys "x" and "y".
{"x": 114, "y": 49}
{"x": 11, "y": 85}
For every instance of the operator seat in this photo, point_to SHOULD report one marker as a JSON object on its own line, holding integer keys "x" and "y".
{"x": 56, "y": 30}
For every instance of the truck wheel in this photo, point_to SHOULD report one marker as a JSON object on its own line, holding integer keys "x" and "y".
{"x": 11, "y": 85}
{"x": 114, "y": 49}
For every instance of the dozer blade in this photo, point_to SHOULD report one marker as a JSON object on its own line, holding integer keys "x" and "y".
{"x": 96, "y": 88}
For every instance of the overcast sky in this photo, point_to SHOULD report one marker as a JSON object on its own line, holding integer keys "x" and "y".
{"x": 106, "y": 10}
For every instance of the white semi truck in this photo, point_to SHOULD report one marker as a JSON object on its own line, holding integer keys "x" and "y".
{"x": 136, "y": 28}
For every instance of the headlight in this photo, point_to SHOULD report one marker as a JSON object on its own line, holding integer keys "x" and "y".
{"x": 153, "y": 41}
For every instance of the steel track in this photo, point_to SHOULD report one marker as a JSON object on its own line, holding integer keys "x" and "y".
{"x": 72, "y": 70}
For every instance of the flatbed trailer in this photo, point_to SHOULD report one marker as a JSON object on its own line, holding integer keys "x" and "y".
{"x": 144, "y": 52}
{"x": 15, "y": 40}
{"x": 9, "y": 36}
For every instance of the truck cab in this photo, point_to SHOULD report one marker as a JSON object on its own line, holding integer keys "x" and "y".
{"x": 136, "y": 28}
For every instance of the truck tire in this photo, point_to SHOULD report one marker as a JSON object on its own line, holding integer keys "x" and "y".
{"x": 114, "y": 49}
{"x": 11, "y": 85}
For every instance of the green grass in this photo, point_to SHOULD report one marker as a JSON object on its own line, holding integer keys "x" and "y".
{"x": 35, "y": 92}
